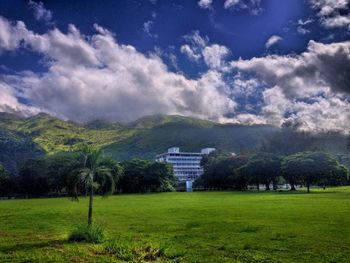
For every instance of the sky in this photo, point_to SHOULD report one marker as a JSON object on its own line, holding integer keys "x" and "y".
{"x": 283, "y": 63}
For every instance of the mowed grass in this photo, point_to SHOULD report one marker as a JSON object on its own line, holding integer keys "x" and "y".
{"x": 189, "y": 227}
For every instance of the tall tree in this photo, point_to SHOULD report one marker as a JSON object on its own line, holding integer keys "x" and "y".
{"x": 47, "y": 175}
{"x": 58, "y": 168}
{"x": 262, "y": 168}
{"x": 146, "y": 176}
{"x": 6, "y": 182}
{"x": 32, "y": 179}
{"x": 86, "y": 177}
{"x": 311, "y": 168}
{"x": 220, "y": 171}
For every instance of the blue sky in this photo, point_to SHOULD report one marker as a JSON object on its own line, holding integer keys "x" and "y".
{"x": 243, "y": 33}
{"x": 283, "y": 63}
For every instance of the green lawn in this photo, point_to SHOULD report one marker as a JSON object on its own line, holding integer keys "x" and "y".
{"x": 191, "y": 227}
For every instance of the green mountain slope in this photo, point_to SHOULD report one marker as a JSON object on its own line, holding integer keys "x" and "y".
{"x": 148, "y": 136}
{"x": 190, "y": 137}
{"x": 16, "y": 147}
{"x": 54, "y": 135}
{"x": 152, "y": 121}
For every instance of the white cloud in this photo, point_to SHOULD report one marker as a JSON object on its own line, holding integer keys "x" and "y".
{"x": 245, "y": 87}
{"x": 9, "y": 102}
{"x": 332, "y": 13}
{"x": 303, "y": 31}
{"x": 147, "y": 28}
{"x": 305, "y": 22}
{"x": 246, "y": 118}
{"x": 321, "y": 67}
{"x": 195, "y": 39}
{"x": 91, "y": 77}
{"x": 231, "y": 3}
{"x": 192, "y": 55}
{"x": 276, "y": 105}
{"x": 214, "y": 55}
{"x": 302, "y": 24}
{"x": 324, "y": 114}
{"x": 273, "y": 40}
{"x": 168, "y": 56}
{"x": 193, "y": 50}
{"x": 199, "y": 47}
{"x": 11, "y": 34}
{"x": 205, "y": 4}
{"x": 40, "y": 12}
{"x": 309, "y": 91}
{"x": 253, "y": 6}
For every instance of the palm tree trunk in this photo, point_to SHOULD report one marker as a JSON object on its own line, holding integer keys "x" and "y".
{"x": 91, "y": 201}
{"x": 90, "y": 206}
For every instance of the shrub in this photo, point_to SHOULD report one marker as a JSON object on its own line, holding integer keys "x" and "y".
{"x": 118, "y": 249}
{"x": 125, "y": 252}
{"x": 150, "y": 252}
{"x": 87, "y": 233}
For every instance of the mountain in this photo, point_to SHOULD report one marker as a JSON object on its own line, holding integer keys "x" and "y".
{"x": 151, "y": 121}
{"x": 148, "y": 136}
{"x": 54, "y": 135}
{"x": 102, "y": 125}
{"x": 5, "y": 116}
{"x": 190, "y": 136}
{"x": 15, "y": 148}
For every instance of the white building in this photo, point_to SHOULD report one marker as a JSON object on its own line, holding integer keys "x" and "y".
{"x": 186, "y": 165}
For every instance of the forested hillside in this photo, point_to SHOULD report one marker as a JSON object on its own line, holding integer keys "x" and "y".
{"x": 23, "y": 138}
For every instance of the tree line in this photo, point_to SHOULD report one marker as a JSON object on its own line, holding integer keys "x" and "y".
{"x": 224, "y": 171}
{"x": 63, "y": 174}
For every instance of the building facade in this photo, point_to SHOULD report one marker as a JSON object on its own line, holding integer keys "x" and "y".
{"x": 186, "y": 165}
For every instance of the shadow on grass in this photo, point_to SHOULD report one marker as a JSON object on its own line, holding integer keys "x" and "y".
{"x": 304, "y": 192}
{"x": 289, "y": 192}
{"x": 33, "y": 245}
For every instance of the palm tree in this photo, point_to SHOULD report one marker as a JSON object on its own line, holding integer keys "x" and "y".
{"x": 96, "y": 174}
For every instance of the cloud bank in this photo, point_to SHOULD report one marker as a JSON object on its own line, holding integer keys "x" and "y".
{"x": 332, "y": 13}
{"x": 309, "y": 91}
{"x": 91, "y": 77}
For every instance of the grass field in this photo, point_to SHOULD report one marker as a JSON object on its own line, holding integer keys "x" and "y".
{"x": 187, "y": 227}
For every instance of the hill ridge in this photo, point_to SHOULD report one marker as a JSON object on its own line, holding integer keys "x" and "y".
{"x": 147, "y": 136}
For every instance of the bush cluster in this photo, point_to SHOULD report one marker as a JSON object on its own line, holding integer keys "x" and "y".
{"x": 93, "y": 233}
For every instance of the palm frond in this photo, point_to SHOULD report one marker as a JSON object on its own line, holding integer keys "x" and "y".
{"x": 86, "y": 177}
{"x": 97, "y": 173}
{"x": 107, "y": 182}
